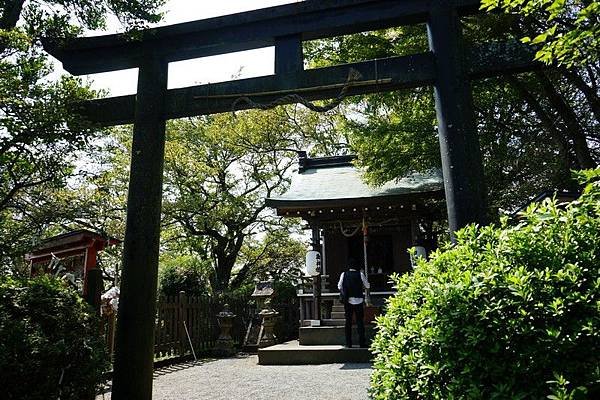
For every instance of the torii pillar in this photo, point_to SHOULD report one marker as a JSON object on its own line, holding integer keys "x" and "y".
{"x": 134, "y": 340}
{"x": 459, "y": 146}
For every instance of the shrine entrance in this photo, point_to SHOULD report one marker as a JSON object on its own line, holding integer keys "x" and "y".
{"x": 449, "y": 67}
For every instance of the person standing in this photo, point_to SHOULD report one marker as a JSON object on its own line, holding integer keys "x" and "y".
{"x": 351, "y": 286}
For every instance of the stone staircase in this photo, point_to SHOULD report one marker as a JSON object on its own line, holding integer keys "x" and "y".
{"x": 319, "y": 345}
{"x": 337, "y": 312}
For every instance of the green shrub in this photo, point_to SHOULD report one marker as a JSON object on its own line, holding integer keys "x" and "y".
{"x": 507, "y": 313}
{"x": 184, "y": 273}
{"x": 285, "y": 302}
{"x": 50, "y": 343}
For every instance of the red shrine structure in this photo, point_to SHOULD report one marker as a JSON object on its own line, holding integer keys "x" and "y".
{"x": 73, "y": 254}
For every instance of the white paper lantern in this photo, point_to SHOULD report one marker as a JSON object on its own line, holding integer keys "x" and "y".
{"x": 313, "y": 263}
{"x": 420, "y": 252}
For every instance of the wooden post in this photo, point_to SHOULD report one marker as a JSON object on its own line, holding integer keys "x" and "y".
{"x": 414, "y": 230}
{"x": 90, "y": 261}
{"x": 110, "y": 337}
{"x": 93, "y": 281}
{"x": 289, "y": 59}
{"x": 182, "y": 320}
{"x": 316, "y": 246}
{"x": 134, "y": 352}
{"x": 459, "y": 146}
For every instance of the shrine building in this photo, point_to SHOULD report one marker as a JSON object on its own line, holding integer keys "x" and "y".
{"x": 73, "y": 253}
{"x": 350, "y": 219}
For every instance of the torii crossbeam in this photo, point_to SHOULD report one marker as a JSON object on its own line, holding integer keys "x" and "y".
{"x": 448, "y": 67}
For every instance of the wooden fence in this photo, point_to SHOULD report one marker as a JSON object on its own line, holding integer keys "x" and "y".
{"x": 184, "y": 321}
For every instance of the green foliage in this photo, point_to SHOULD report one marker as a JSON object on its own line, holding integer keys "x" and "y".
{"x": 398, "y": 138}
{"x": 51, "y": 345}
{"x": 39, "y": 139}
{"x": 184, "y": 273}
{"x": 218, "y": 172}
{"x": 392, "y": 133}
{"x": 508, "y": 312}
{"x": 41, "y": 135}
{"x": 533, "y": 128}
{"x": 277, "y": 255}
{"x": 570, "y": 29}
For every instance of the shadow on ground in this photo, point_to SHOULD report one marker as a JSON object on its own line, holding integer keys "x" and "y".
{"x": 356, "y": 366}
{"x": 168, "y": 367}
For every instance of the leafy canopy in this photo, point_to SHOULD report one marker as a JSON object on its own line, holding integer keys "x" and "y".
{"x": 218, "y": 172}
{"x": 533, "y": 128}
{"x": 569, "y": 29}
{"x": 41, "y": 135}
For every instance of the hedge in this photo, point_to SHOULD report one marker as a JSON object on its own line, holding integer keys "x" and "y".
{"x": 508, "y": 312}
{"x": 50, "y": 343}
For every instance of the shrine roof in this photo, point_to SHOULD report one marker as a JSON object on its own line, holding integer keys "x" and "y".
{"x": 336, "y": 179}
{"x": 76, "y": 240}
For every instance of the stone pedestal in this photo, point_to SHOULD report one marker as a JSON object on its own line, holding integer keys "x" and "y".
{"x": 267, "y": 338}
{"x": 225, "y": 345}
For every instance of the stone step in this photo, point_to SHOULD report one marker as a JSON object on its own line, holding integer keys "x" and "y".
{"x": 292, "y": 353}
{"x": 333, "y": 322}
{"x": 337, "y": 315}
{"x": 330, "y": 335}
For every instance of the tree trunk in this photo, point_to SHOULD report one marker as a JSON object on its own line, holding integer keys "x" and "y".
{"x": 10, "y": 17}
{"x": 11, "y": 14}
{"x": 222, "y": 273}
{"x": 545, "y": 119}
{"x": 590, "y": 94}
{"x": 226, "y": 254}
{"x": 574, "y": 130}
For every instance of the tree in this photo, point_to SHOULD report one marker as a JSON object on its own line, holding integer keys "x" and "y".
{"x": 51, "y": 342}
{"x": 276, "y": 255}
{"x": 568, "y": 30}
{"x": 533, "y": 128}
{"x": 218, "y": 172}
{"x": 40, "y": 134}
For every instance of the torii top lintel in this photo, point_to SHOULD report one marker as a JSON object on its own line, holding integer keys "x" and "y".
{"x": 284, "y": 27}
{"x": 308, "y": 20}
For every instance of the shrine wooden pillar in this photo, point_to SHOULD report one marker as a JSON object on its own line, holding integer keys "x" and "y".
{"x": 461, "y": 156}
{"x": 316, "y": 246}
{"x": 134, "y": 341}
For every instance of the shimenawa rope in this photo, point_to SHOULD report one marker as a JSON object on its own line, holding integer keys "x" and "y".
{"x": 353, "y": 76}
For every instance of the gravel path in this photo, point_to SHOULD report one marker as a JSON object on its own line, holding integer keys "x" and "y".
{"x": 241, "y": 378}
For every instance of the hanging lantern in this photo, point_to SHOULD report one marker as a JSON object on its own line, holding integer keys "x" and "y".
{"x": 419, "y": 252}
{"x": 313, "y": 263}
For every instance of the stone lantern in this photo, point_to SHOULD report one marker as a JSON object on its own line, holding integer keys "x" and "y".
{"x": 260, "y": 331}
{"x": 263, "y": 291}
{"x": 225, "y": 344}
{"x": 269, "y": 317}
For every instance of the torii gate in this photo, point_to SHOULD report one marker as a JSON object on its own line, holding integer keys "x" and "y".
{"x": 448, "y": 67}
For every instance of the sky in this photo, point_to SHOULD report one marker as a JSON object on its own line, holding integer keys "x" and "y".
{"x": 245, "y": 64}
